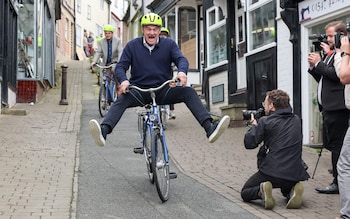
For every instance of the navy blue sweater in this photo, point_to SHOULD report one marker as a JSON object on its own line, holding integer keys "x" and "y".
{"x": 150, "y": 69}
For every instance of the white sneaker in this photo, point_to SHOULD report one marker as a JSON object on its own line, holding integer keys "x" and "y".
{"x": 96, "y": 133}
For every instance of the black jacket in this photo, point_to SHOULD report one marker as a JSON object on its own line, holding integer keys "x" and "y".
{"x": 332, "y": 94}
{"x": 281, "y": 132}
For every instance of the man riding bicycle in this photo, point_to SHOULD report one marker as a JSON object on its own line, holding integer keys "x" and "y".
{"x": 150, "y": 58}
{"x": 109, "y": 49}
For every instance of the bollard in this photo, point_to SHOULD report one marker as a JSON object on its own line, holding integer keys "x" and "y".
{"x": 63, "y": 100}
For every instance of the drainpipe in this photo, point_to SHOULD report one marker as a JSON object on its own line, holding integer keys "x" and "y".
{"x": 290, "y": 17}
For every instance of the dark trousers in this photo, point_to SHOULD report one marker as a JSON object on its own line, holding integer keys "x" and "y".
{"x": 251, "y": 188}
{"x": 166, "y": 95}
{"x": 335, "y": 125}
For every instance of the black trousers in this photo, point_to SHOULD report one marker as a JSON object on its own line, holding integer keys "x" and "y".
{"x": 251, "y": 188}
{"x": 335, "y": 125}
{"x": 167, "y": 95}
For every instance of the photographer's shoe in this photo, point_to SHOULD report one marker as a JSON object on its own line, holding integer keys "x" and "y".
{"x": 266, "y": 195}
{"x": 331, "y": 189}
{"x": 217, "y": 128}
{"x": 98, "y": 133}
{"x": 296, "y": 196}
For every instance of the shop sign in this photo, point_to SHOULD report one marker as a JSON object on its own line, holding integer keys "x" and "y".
{"x": 316, "y": 8}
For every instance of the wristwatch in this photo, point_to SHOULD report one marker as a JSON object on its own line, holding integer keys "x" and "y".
{"x": 342, "y": 54}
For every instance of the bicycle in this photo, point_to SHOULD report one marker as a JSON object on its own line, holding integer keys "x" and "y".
{"x": 153, "y": 143}
{"x": 107, "y": 94}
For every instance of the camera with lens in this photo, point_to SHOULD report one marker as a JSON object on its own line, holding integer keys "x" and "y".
{"x": 337, "y": 39}
{"x": 317, "y": 39}
{"x": 257, "y": 113}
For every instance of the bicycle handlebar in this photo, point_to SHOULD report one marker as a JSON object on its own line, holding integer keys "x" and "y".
{"x": 155, "y": 88}
{"x": 107, "y": 66}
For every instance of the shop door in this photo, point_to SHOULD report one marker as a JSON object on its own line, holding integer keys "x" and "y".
{"x": 261, "y": 76}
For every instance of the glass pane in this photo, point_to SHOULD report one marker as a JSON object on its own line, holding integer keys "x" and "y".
{"x": 211, "y": 18}
{"x": 262, "y": 26}
{"x": 217, "y": 45}
{"x": 187, "y": 34}
{"x": 240, "y": 29}
{"x": 26, "y": 38}
{"x": 171, "y": 23}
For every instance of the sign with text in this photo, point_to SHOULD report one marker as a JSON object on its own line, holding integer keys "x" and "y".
{"x": 316, "y": 8}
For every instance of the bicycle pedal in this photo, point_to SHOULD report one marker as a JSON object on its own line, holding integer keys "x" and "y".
{"x": 138, "y": 150}
{"x": 172, "y": 175}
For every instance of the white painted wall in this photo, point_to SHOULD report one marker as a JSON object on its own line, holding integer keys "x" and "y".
{"x": 99, "y": 17}
{"x": 284, "y": 59}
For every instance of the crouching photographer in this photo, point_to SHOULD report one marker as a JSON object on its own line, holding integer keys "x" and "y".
{"x": 280, "y": 162}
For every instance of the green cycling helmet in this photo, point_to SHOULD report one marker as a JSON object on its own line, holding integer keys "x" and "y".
{"x": 164, "y": 29}
{"x": 151, "y": 19}
{"x": 108, "y": 28}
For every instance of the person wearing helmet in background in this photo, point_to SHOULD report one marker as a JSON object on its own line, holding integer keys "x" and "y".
{"x": 164, "y": 32}
{"x": 150, "y": 57}
{"x": 109, "y": 49}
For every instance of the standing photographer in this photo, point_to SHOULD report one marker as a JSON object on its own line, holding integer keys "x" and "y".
{"x": 330, "y": 100}
{"x": 280, "y": 162}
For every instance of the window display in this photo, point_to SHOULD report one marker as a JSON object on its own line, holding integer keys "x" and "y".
{"x": 26, "y": 42}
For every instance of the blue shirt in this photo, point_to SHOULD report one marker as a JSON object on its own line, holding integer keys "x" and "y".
{"x": 109, "y": 49}
{"x": 150, "y": 68}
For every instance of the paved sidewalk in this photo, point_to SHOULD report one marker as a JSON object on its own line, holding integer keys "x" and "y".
{"x": 39, "y": 156}
{"x": 225, "y": 165}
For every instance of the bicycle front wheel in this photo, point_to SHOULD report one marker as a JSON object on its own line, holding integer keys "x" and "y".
{"x": 163, "y": 115}
{"x": 102, "y": 103}
{"x": 160, "y": 167}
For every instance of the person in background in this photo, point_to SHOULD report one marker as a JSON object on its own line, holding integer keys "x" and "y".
{"x": 99, "y": 38}
{"x": 343, "y": 165}
{"x": 331, "y": 100}
{"x": 149, "y": 58}
{"x": 109, "y": 49}
{"x": 90, "y": 41}
{"x": 164, "y": 32}
{"x": 85, "y": 45}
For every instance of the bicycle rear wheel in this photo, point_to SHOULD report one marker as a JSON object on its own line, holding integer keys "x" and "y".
{"x": 147, "y": 152}
{"x": 159, "y": 166}
{"x": 102, "y": 103}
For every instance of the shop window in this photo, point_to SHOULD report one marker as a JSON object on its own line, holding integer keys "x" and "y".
{"x": 216, "y": 26}
{"x": 187, "y": 34}
{"x": 261, "y": 27}
{"x": 26, "y": 41}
